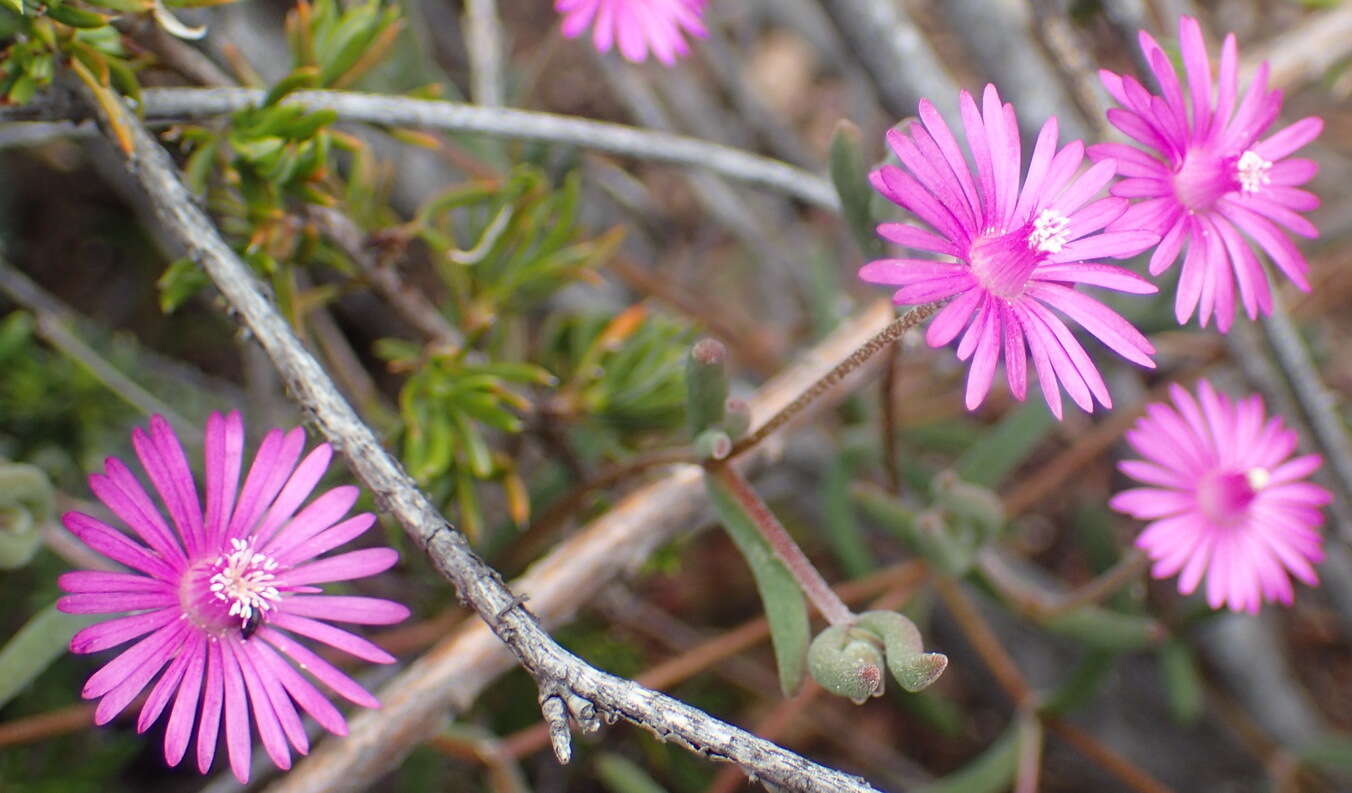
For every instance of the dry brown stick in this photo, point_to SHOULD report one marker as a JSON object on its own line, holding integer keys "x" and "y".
{"x": 543, "y": 525}
{"x": 753, "y": 345}
{"x": 42, "y": 726}
{"x": 412, "y": 305}
{"x": 985, "y": 642}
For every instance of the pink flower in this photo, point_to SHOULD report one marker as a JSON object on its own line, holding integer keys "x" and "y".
{"x": 1019, "y": 252}
{"x": 638, "y": 25}
{"x": 217, "y": 595}
{"x": 1225, "y": 498}
{"x": 1209, "y": 177}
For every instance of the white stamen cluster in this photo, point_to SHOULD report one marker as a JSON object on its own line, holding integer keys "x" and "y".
{"x": 1258, "y": 477}
{"x": 1253, "y": 172}
{"x": 244, "y": 580}
{"x": 1051, "y": 231}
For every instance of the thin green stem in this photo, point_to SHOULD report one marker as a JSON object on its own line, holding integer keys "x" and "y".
{"x": 880, "y": 341}
{"x": 827, "y": 602}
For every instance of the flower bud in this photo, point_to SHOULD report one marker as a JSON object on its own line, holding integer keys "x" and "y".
{"x": 970, "y": 508}
{"x": 713, "y": 445}
{"x": 706, "y": 385}
{"x": 913, "y": 668}
{"x": 848, "y": 659}
{"x": 847, "y": 662}
{"x": 25, "y": 505}
{"x": 736, "y": 418}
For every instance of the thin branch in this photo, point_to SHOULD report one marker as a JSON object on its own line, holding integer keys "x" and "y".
{"x": 880, "y": 341}
{"x": 1316, "y": 402}
{"x": 188, "y": 104}
{"x": 559, "y": 674}
{"x": 413, "y": 306}
{"x": 483, "y": 44}
{"x": 1127, "y": 772}
{"x": 54, "y": 323}
{"x": 898, "y": 56}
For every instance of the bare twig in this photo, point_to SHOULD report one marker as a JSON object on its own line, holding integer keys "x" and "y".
{"x": 1307, "y": 51}
{"x": 412, "y": 305}
{"x": 483, "y": 43}
{"x": 401, "y": 111}
{"x": 1316, "y": 402}
{"x": 880, "y": 341}
{"x": 559, "y": 673}
{"x": 54, "y": 322}
{"x": 999, "y": 33}
{"x": 897, "y": 54}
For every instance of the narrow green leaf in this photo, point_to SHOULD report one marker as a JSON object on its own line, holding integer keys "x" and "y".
{"x": 1081, "y": 684}
{"x": 850, "y": 176}
{"x": 785, "y": 607}
{"x": 843, "y": 530}
{"x": 181, "y": 280}
{"x": 621, "y": 775}
{"x": 998, "y": 453}
{"x": 41, "y": 641}
{"x": 25, "y": 506}
{"x": 992, "y": 771}
{"x": 706, "y": 380}
{"x": 1102, "y": 629}
{"x": 1182, "y": 682}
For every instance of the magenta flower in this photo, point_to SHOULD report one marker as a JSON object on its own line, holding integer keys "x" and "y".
{"x": 217, "y": 595}
{"x": 638, "y": 25}
{"x": 1225, "y": 498}
{"x": 1210, "y": 177}
{"x": 1019, "y": 252}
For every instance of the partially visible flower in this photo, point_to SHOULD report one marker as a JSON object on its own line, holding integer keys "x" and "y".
{"x": 217, "y": 594}
{"x": 1019, "y": 251}
{"x": 1210, "y": 177}
{"x": 1225, "y": 498}
{"x": 638, "y": 26}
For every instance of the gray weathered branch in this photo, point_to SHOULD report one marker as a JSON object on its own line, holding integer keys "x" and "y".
{"x": 502, "y": 122}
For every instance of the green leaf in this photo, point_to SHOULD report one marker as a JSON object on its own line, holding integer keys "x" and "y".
{"x": 26, "y": 504}
{"x": 77, "y": 17}
{"x": 992, "y": 771}
{"x": 1018, "y": 434}
{"x": 621, "y": 775}
{"x": 842, "y": 528}
{"x": 41, "y": 641}
{"x": 300, "y": 79}
{"x": 1102, "y": 629}
{"x": 785, "y": 607}
{"x": 1182, "y": 682}
{"x": 706, "y": 380}
{"x": 181, "y": 280}
{"x": 850, "y": 176}
{"x": 1081, "y": 684}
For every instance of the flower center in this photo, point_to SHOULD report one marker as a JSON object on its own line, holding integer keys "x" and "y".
{"x": 1252, "y": 172}
{"x": 1224, "y": 497}
{"x": 1004, "y": 261}
{"x": 1204, "y": 177}
{"x": 243, "y": 579}
{"x": 1051, "y": 231}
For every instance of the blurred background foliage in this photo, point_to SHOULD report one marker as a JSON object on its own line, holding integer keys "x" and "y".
{"x": 514, "y": 319}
